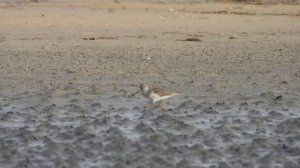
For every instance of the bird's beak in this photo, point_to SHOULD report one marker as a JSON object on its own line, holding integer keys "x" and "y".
{"x": 136, "y": 92}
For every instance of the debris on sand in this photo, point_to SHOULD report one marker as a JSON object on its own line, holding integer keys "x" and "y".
{"x": 192, "y": 39}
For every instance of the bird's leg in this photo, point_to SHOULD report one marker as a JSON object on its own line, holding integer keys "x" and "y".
{"x": 148, "y": 107}
{"x": 161, "y": 106}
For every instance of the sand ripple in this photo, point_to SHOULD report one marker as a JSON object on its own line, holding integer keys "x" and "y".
{"x": 86, "y": 130}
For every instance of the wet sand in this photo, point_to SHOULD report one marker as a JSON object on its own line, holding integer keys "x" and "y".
{"x": 68, "y": 69}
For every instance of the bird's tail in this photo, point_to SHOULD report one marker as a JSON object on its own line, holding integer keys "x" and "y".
{"x": 174, "y": 94}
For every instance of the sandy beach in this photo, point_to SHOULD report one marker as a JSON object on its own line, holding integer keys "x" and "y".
{"x": 68, "y": 69}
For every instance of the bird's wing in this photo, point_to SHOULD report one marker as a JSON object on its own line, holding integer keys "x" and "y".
{"x": 162, "y": 92}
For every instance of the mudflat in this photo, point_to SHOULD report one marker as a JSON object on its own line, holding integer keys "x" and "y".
{"x": 68, "y": 70}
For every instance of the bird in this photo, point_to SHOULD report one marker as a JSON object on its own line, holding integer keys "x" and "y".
{"x": 154, "y": 95}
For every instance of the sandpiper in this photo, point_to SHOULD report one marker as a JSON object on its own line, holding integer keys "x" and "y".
{"x": 155, "y": 95}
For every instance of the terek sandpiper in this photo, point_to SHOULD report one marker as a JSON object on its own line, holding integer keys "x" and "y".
{"x": 155, "y": 95}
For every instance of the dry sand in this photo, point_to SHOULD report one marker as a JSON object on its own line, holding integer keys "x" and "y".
{"x": 68, "y": 68}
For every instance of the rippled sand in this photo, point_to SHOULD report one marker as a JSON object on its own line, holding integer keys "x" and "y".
{"x": 72, "y": 128}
